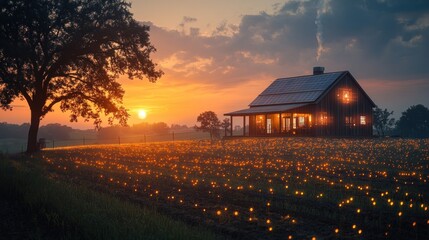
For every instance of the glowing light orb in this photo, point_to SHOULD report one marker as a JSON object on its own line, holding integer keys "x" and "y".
{"x": 142, "y": 114}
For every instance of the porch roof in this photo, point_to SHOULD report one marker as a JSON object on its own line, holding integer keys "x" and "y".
{"x": 265, "y": 109}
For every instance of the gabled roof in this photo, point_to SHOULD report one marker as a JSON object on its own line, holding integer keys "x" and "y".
{"x": 296, "y": 90}
{"x": 289, "y": 93}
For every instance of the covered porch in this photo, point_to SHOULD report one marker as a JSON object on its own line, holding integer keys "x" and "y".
{"x": 281, "y": 120}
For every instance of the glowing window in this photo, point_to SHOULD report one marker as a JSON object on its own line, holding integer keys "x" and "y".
{"x": 348, "y": 120}
{"x": 362, "y": 120}
{"x": 301, "y": 121}
{"x": 260, "y": 124}
{"x": 346, "y": 95}
{"x": 323, "y": 119}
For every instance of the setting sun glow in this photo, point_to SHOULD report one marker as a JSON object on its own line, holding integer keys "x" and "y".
{"x": 142, "y": 113}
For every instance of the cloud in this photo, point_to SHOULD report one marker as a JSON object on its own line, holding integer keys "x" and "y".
{"x": 384, "y": 44}
{"x": 178, "y": 63}
{"x": 225, "y": 29}
{"x": 185, "y": 21}
{"x": 379, "y": 42}
{"x": 376, "y": 39}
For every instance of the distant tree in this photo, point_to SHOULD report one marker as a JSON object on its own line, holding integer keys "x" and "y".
{"x": 209, "y": 123}
{"x": 178, "y": 127}
{"x": 160, "y": 128}
{"x": 141, "y": 128}
{"x": 55, "y": 131}
{"x": 414, "y": 122}
{"x": 14, "y": 130}
{"x": 71, "y": 53}
{"x": 147, "y": 128}
{"x": 383, "y": 121}
{"x": 226, "y": 124}
{"x": 110, "y": 133}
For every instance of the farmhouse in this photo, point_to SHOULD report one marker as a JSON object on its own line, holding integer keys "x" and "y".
{"x": 322, "y": 104}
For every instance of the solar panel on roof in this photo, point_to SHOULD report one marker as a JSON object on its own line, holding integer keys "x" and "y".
{"x": 300, "y": 97}
{"x": 305, "y": 83}
{"x": 296, "y": 89}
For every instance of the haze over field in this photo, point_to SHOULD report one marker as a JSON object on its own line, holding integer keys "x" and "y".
{"x": 218, "y": 55}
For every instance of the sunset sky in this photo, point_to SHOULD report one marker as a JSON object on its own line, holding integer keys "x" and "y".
{"x": 219, "y": 55}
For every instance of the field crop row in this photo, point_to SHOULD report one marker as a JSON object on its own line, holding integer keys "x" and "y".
{"x": 267, "y": 188}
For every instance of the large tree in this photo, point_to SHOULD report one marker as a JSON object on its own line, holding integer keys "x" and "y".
{"x": 414, "y": 122}
{"x": 383, "y": 121}
{"x": 209, "y": 123}
{"x": 70, "y": 53}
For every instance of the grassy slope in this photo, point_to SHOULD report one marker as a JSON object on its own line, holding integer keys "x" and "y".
{"x": 37, "y": 207}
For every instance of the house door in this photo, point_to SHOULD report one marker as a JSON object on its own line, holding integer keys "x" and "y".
{"x": 287, "y": 124}
{"x": 269, "y": 126}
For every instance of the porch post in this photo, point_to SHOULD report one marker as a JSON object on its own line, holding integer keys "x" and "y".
{"x": 266, "y": 124}
{"x": 280, "y": 123}
{"x": 230, "y": 130}
{"x": 244, "y": 125}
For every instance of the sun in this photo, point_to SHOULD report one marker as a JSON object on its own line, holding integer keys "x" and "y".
{"x": 142, "y": 113}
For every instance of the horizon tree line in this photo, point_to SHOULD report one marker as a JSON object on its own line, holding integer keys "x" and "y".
{"x": 413, "y": 123}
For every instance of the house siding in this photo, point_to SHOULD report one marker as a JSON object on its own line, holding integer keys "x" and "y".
{"x": 337, "y": 111}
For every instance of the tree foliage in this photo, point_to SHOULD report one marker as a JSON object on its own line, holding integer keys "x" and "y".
{"x": 383, "y": 121}
{"x": 209, "y": 122}
{"x": 71, "y": 53}
{"x": 414, "y": 122}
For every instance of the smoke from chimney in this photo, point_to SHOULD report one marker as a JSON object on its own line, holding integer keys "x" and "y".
{"x": 322, "y": 8}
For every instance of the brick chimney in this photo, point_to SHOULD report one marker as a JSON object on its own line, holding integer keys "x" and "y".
{"x": 318, "y": 70}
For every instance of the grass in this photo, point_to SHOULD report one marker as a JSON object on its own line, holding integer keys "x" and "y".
{"x": 299, "y": 187}
{"x": 17, "y": 145}
{"x": 54, "y": 209}
{"x": 12, "y": 145}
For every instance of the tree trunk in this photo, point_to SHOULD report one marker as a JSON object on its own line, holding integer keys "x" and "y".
{"x": 32, "y": 145}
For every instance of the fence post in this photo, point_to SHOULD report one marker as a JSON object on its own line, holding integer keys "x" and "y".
{"x": 145, "y": 138}
{"x": 83, "y": 140}
{"x": 173, "y": 136}
{"x": 53, "y": 143}
{"x": 119, "y": 140}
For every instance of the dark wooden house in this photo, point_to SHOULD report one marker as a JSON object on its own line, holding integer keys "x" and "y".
{"x": 322, "y": 104}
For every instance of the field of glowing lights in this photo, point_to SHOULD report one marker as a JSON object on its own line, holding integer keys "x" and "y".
{"x": 293, "y": 188}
